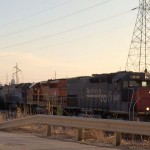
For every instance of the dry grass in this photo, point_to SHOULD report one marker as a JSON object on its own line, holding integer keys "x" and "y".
{"x": 34, "y": 129}
{"x": 98, "y": 136}
{"x": 137, "y": 144}
{"x": 1, "y": 118}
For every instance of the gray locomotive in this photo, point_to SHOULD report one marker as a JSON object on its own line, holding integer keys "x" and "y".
{"x": 121, "y": 95}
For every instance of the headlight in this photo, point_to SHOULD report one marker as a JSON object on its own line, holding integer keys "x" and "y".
{"x": 147, "y": 108}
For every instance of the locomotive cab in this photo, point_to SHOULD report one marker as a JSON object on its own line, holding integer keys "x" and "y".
{"x": 134, "y": 89}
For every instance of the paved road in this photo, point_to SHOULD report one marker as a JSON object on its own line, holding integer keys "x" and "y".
{"x": 15, "y": 141}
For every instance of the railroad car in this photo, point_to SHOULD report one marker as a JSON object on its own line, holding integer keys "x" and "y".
{"x": 13, "y": 96}
{"x": 47, "y": 96}
{"x": 121, "y": 95}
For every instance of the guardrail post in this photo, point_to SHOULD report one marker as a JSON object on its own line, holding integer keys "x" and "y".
{"x": 117, "y": 138}
{"x": 79, "y": 134}
{"x": 49, "y": 130}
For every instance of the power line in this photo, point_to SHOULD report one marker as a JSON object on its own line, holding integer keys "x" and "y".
{"x": 56, "y": 19}
{"x": 83, "y": 37}
{"x": 34, "y": 14}
{"x": 66, "y": 31}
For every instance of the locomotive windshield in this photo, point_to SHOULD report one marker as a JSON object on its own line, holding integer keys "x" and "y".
{"x": 144, "y": 84}
{"x": 134, "y": 83}
{"x": 125, "y": 80}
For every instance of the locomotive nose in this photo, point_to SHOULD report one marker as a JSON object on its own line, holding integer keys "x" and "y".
{"x": 144, "y": 100}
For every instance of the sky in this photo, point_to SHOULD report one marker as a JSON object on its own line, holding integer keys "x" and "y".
{"x": 51, "y": 39}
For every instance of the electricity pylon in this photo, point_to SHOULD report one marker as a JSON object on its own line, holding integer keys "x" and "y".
{"x": 139, "y": 53}
{"x": 16, "y": 73}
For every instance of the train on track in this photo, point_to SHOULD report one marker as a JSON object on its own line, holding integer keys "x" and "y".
{"x": 123, "y": 94}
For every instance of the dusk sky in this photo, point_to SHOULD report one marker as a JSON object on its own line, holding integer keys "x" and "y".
{"x": 69, "y": 37}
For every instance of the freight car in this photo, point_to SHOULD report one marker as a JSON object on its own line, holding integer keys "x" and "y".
{"x": 121, "y": 95}
{"x": 13, "y": 96}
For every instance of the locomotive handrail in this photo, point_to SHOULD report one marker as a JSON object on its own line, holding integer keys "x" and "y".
{"x": 134, "y": 106}
{"x": 117, "y": 126}
{"x": 131, "y": 102}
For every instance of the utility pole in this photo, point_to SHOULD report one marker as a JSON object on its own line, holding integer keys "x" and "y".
{"x": 139, "y": 53}
{"x": 16, "y": 73}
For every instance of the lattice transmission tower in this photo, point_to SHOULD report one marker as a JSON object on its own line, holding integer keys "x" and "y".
{"x": 17, "y": 70}
{"x": 139, "y": 53}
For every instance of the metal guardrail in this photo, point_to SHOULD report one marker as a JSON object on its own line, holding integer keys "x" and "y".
{"x": 116, "y": 126}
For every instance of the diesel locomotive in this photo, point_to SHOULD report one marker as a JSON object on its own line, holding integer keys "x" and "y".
{"x": 121, "y": 95}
